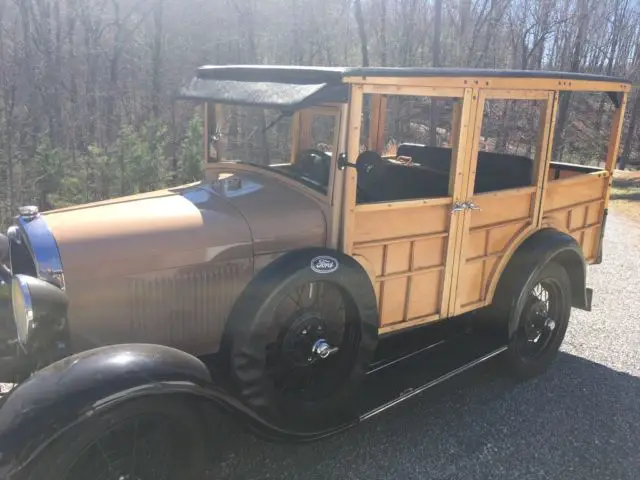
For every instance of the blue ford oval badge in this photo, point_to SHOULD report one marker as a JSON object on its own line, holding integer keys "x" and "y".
{"x": 324, "y": 264}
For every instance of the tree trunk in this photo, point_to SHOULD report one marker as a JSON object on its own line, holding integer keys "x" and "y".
{"x": 156, "y": 81}
{"x": 383, "y": 32}
{"x": 364, "y": 49}
{"x": 565, "y": 97}
{"x": 435, "y": 106}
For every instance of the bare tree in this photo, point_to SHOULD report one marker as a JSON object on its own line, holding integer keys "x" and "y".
{"x": 83, "y": 81}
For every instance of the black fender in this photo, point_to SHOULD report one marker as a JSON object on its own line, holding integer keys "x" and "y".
{"x": 64, "y": 393}
{"x": 244, "y": 376}
{"x": 535, "y": 252}
{"x": 349, "y": 273}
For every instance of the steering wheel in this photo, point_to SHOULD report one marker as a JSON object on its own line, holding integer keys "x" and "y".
{"x": 314, "y": 164}
{"x": 368, "y": 166}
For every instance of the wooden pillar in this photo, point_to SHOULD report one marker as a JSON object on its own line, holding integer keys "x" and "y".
{"x": 616, "y": 134}
{"x": 213, "y": 128}
{"x": 205, "y": 132}
{"x": 354, "y": 124}
{"x": 544, "y": 149}
{"x": 377, "y": 122}
{"x": 614, "y": 144}
{"x": 305, "y": 131}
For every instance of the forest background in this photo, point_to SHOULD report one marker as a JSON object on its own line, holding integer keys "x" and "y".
{"x": 87, "y": 87}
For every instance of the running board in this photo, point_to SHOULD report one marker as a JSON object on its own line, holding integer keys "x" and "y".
{"x": 389, "y": 385}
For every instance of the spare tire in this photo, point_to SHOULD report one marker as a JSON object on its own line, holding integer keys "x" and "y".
{"x": 299, "y": 339}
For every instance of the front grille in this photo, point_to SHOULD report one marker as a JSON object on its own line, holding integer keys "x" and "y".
{"x": 186, "y": 307}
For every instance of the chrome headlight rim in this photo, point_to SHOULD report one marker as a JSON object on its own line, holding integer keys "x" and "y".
{"x": 31, "y": 229}
{"x": 22, "y": 304}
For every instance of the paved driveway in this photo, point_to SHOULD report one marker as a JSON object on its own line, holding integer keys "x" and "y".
{"x": 581, "y": 421}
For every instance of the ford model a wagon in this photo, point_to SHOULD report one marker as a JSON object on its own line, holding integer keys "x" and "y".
{"x": 287, "y": 285}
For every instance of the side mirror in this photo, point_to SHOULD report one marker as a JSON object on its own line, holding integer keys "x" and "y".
{"x": 343, "y": 162}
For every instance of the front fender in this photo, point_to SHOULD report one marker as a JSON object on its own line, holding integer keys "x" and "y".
{"x": 69, "y": 391}
{"x": 62, "y": 394}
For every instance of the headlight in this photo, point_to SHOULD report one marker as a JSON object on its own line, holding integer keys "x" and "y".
{"x": 36, "y": 304}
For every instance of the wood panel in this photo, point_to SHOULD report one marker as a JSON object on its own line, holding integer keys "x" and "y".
{"x": 505, "y": 206}
{"x": 407, "y": 249}
{"x": 385, "y": 225}
{"x": 572, "y": 191}
{"x": 576, "y": 206}
{"x": 505, "y": 217}
{"x": 574, "y": 222}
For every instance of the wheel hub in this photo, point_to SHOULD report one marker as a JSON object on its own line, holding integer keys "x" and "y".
{"x": 322, "y": 349}
{"x": 538, "y": 322}
{"x": 305, "y": 341}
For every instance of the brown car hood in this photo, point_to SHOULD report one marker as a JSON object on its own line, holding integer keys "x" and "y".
{"x": 154, "y": 231}
{"x": 281, "y": 215}
{"x": 186, "y": 226}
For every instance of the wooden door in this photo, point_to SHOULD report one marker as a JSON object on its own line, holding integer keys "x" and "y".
{"x": 494, "y": 223}
{"x": 408, "y": 247}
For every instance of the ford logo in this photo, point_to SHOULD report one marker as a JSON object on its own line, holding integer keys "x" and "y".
{"x": 324, "y": 264}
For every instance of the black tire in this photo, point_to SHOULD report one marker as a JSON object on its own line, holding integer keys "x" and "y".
{"x": 119, "y": 443}
{"x": 537, "y": 338}
{"x": 259, "y": 357}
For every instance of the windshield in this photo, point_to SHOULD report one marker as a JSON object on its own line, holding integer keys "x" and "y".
{"x": 300, "y": 145}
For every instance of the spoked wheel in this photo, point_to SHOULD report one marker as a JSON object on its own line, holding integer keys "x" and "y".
{"x": 148, "y": 439}
{"x": 313, "y": 343}
{"x": 136, "y": 449}
{"x": 543, "y": 321}
{"x": 299, "y": 340}
{"x": 538, "y": 326}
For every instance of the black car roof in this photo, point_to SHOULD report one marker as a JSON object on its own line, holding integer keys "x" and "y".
{"x": 296, "y": 87}
{"x": 303, "y": 75}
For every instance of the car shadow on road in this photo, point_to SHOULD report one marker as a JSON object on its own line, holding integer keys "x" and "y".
{"x": 579, "y": 421}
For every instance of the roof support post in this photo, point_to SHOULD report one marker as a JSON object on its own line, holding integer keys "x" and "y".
{"x": 354, "y": 125}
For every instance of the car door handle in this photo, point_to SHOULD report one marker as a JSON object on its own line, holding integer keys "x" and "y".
{"x": 458, "y": 207}
{"x": 472, "y": 206}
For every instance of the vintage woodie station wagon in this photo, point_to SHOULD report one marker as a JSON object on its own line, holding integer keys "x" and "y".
{"x": 319, "y": 274}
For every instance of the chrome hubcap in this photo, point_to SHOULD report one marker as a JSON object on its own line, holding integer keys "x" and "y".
{"x": 540, "y": 323}
{"x": 322, "y": 349}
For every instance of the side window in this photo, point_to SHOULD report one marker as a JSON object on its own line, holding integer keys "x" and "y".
{"x": 249, "y": 134}
{"x": 508, "y": 144}
{"x": 298, "y": 145}
{"x": 324, "y": 132}
{"x": 583, "y": 127}
{"x": 413, "y": 136}
{"x": 318, "y": 130}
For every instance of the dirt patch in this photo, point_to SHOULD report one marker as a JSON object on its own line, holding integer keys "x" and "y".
{"x": 625, "y": 193}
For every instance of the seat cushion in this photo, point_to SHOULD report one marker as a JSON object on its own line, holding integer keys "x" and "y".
{"x": 495, "y": 171}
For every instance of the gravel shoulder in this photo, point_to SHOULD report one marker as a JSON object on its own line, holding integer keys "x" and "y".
{"x": 579, "y": 421}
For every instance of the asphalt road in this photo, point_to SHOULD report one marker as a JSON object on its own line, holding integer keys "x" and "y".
{"x": 580, "y": 421}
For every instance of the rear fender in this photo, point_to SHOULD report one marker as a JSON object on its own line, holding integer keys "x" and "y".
{"x": 531, "y": 257}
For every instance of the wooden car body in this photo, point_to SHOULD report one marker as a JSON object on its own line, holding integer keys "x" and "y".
{"x": 142, "y": 295}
